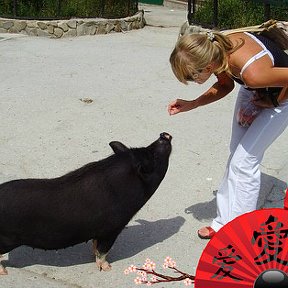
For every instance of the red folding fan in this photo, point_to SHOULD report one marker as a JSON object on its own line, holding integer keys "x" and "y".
{"x": 249, "y": 252}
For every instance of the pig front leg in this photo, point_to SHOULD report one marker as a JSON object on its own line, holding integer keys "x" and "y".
{"x": 101, "y": 249}
{"x": 101, "y": 262}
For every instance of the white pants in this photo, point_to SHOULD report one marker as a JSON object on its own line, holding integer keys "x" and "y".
{"x": 238, "y": 193}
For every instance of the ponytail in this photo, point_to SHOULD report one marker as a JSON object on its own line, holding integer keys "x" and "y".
{"x": 194, "y": 52}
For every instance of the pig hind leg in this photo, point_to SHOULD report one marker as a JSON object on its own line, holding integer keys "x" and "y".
{"x": 4, "y": 248}
{"x": 3, "y": 271}
{"x": 101, "y": 249}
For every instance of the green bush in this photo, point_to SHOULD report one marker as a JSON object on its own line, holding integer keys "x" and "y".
{"x": 53, "y": 9}
{"x": 238, "y": 13}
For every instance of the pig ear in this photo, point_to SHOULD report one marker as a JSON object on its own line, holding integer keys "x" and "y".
{"x": 118, "y": 147}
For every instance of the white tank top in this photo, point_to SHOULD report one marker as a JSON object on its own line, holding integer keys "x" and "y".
{"x": 260, "y": 54}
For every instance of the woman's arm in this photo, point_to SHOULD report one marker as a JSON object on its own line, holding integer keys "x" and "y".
{"x": 261, "y": 76}
{"x": 220, "y": 89}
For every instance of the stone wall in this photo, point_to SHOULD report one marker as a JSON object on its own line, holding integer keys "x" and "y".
{"x": 72, "y": 27}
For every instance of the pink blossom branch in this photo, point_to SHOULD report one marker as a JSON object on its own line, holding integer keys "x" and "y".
{"x": 166, "y": 278}
{"x": 149, "y": 269}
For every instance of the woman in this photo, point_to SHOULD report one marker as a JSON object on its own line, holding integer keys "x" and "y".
{"x": 254, "y": 62}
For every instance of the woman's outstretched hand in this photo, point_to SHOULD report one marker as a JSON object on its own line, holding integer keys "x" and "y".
{"x": 180, "y": 105}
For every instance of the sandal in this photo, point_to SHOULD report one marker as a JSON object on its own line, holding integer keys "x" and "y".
{"x": 211, "y": 233}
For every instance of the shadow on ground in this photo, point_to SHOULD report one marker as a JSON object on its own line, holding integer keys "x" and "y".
{"x": 130, "y": 242}
{"x": 272, "y": 194}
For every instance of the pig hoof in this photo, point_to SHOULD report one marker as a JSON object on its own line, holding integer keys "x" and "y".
{"x": 3, "y": 271}
{"x": 105, "y": 266}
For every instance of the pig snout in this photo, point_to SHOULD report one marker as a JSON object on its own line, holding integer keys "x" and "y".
{"x": 165, "y": 135}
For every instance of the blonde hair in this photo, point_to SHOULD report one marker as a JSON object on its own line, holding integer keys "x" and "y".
{"x": 194, "y": 52}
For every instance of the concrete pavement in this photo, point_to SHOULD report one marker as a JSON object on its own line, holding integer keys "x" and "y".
{"x": 48, "y": 128}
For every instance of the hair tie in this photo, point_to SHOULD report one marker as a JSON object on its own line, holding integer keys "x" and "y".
{"x": 210, "y": 35}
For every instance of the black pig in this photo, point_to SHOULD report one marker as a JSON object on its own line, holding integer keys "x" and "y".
{"x": 93, "y": 202}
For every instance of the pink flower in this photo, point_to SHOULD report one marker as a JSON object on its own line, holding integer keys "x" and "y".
{"x": 154, "y": 279}
{"x": 142, "y": 273}
{"x": 168, "y": 262}
{"x": 126, "y": 271}
{"x": 165, "y": 265}
{"x": 149, "y": 265}
{"x": 172, "y": 264}
{"x": 188, "y": 282}
{"x": 148, "y": 260}
{"x": 149, "y": 283}
{"x": 138, "y": 280}
{"x": 132, "y": 268}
